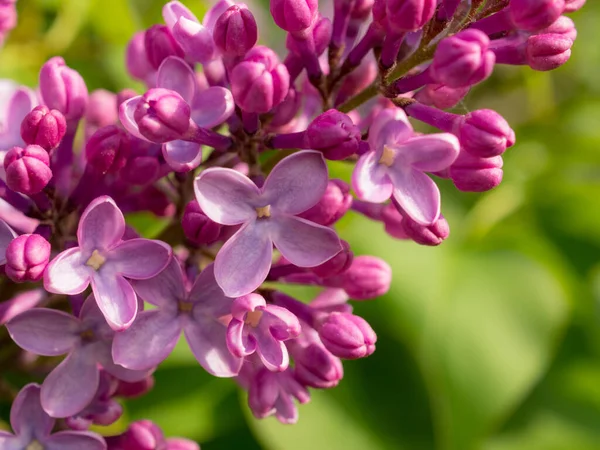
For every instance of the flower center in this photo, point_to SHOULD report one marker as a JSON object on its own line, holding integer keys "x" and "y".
{"x": 96, "y": 260}
{"x": 253, "y": 318}
{"x": 87, "y": 335}
{"x": 34, "y": 445}
{"x": 263, "y": 211}
{"x": 186, "y": 307}
{"x": 387, "y": 157}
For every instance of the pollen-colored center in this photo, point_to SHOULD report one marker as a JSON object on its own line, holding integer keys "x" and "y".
{"x": 387, "y": 157}
{"x": 87, "y": 335}
{"x": 253, "y": 318}
{"x": 263, "y": 211}
{"x": 186, "y": 307}
{"x": 96, "y": 260}
{"x": 34, "y": 445}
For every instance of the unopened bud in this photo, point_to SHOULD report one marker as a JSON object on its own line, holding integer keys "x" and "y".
{"x": 43, "y": 127}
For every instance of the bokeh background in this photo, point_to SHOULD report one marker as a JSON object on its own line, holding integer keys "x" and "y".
{"x": 490, "y": 341}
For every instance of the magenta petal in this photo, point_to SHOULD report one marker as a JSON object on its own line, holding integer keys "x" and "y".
{"x": 182, "y": 156}
{"x": 304, "y": 243}
{"x": 244, "y": 261}
{"x": 213, "y": 106}
{"x": 172, "y": 11}
{"x": 26, "y": 413}
{"x": 126, "y": 111}
{"x": 148, "y": 341}
{"x": 165, "y": 289}
{"x": 116, "y": 299}
{"x": 67, "y": 273}
{"x": 175, "y": 74}
{"x": 226, "y": 196}
{"x": 417, "y": 194}
{"x": 208, "y": 294}
{"x": 239, "y": 342}
{"x": 139, "y": 258}
{"x": 181, "y": 444}
{"x": 430, "y": 152}
{"x": 101, "y": 226}
{"x": 46, "y": 332}
{"x": 74, "y": 440}
{"x": 71, "y": 385}
{"x": 206, "y": 338}
{"x": 195, "y": 39}
{"x": 370, "y": 179}
{"x": 272, "y": 352}
{"x": 296, "y": 183}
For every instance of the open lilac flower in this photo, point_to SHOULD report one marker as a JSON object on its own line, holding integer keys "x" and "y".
{"x": 6, "y": 237}
{"x": 196, "y": 311}
{"x": 32, "y": 427}
{"x": 397, "y": 162}
{"x": 86, "y": 340}
{"x": 268, "y": 216}
{"x": 261, "y": 328}
{"x": 105, "y": 260}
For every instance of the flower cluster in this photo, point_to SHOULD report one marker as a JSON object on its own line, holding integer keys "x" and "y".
{"x": 229, "y": 145}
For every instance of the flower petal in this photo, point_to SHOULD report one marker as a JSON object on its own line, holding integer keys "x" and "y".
{"x": 297, "y": 182}
{"x": 431, "y": 152}
{"x": 195, "y": 39}
{"x": 206, "y": 338}
{"x": 209, "y": 295}
{"x": 226, "y": 196}
{"x": 103, "y": 354}
{"x": 370, "y": 179}
{"x": 175, "y": 74}
{"x": 148, "y": 341}
{"x": 212, "y": 107}
{"x": 26, "y": 413}
{"x": 304, "y": 243}
{"x": 139, "y": 258}
{"x": 21, "y": 104}
{"x": 182, "y": 156}
{"x": 126, "y": 111}
{"x": 67, "y": 273}
{"x": 381, "y": 132}
{"x": 417, "y": 194}
{"x": 172, "y": 11}
{"x": 44, "y": 331}
{"x": 239, "y": 342}
{"x": 6, "y": 236}
{"x": 21, "y": 302}
{"x": 272, "y": 352}
{"x": 116, "y": 299}
{"x": 74, "y": 440}
{"x": 71, "y": 385}
{"x": 244, "y": 261}
{"x": 101, "y": 226}
{"x": 165, "y": 289}
{"x": 10, "y": 442}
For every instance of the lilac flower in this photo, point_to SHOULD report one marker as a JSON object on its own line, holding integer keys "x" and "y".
{"x": 86, "y": 340}
{"x": 32, "y": 427}
{"x": 261, "y": 328}
{"x": 105, "y": 260}
{"x": 6, "y": 237}
{"x": 268, "y": 216}
{"x": 145, "y": 435}
{"x": 397, "y": 163}
{"x": 196, "y": 311}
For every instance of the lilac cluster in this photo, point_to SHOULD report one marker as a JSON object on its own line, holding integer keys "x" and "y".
{"x": 233, "y": 157}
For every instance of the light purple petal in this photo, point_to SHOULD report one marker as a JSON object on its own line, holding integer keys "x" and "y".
{"x": 244, "y": 261}
{"x": 165, "y": 289}
{"x": 370, "y": 179}
{"x": 213, "y": 106}
{"x": 226, "y": 196}
{"x": 182, "y": 156}
{"x": 304, "y": 243}
{"x": 209, "y": 295}
{"x": 11, "y": 442}
{"x": 26, "y": 414}
{"x": 296, "y": 183}
{"x": 380, "y": 132}
{"x": 206, "y": 338}
{"x": 430, "y": 152}
{"x": 417, "y": 194}
{"x": 126, "y": 111}
{"x": 46, "y": 332}
{"x": 6, "y": 236}
{"x": 239, "y": 341}
{"x": 101, "y": 226}
{"x": 172, "y": 11}
{"x": 21, "y": 302}
{"x": 181, "y": 444}
{"x": 139, "y": 258}
{"x": 103, "y": 354}
{"x": 148, "y": 341}
{"x": 272, "y": 352}
{"x": 195, "y": 39}
{"x": 116, "y": 299}
{"x": 175, "y": 74}
{"x": 212, "y": 15}
{"x": 71, "y": 385}
{"x": 74, "y": 440}
{"x": 67, "y": 273}
{"x": 21, "y": 104}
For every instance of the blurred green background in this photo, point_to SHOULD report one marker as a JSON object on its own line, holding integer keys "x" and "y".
{"x": 491, "y": 341}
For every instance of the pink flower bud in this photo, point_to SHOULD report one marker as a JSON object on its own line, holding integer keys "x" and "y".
{"x": 107, "y": 150}
{"x": 136, "y": 58}
{"x": 135, "y": 388}
{"x": 533, "y": 15}
{"x": 573, "y": 5}
{"x": 8, "y": 17}
{"x": 294, "y": 15}
{"x": 197, "y": 227}
{"x": 26, "y": 258}
{"x": 320, "y": 33}
{"x": 474, "y": 174}
{"x": 316, "y": 367}
{"x": 336, "y": 265}
{"x": 393, "y": 222}
{"x": 286, "y": 110}
{"x": 260, "y": 82}
{"x": 140, "y": 170}
{"x": 162, "y": 115}
{"x": 463, "y": 59}
{"x": 440, "y": 96}
{"x": 548, "y": 51}
{"x": 368, "y": 277}
{"x": 404, "y": 15}
{"x": 347, "y": 336}
{"x": 333, "y": 205}
{"x": 431, "y": 235}
{"x": 235, "y": 31}
{"x": 62, "y": 88}
{"x": 160, "y": 44}
{"x": 334, "y": 134}
{"x": 27, "y": 170}
{"x": 563, "y": 26}
{"x": 43, "y": 127}
{"x": 102, "y": 108}
{"x": 485, "y": 133}
{"x": 361, "y": 9}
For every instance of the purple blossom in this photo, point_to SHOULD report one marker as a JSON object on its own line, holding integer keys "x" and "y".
{"x": 267, "y": 216}
{"x": 106, "y": 261}
{"x": 6, "y": 237}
